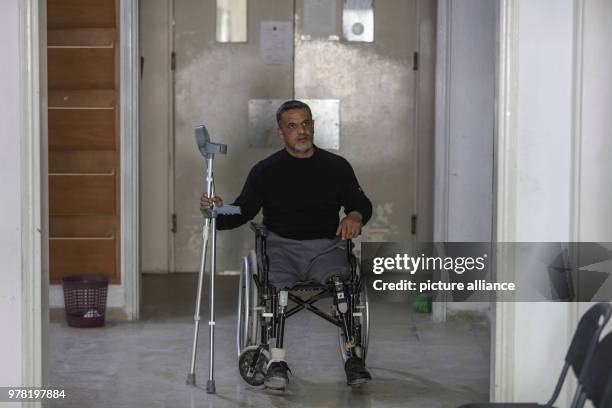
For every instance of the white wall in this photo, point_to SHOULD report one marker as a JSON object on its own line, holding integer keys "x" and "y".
{"x": 554, "y": 155}
{"x": 543, "y": 178}
{"x": 10, "y": 168}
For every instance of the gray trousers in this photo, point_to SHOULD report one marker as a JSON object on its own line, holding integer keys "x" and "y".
{"x": 314, "y": 260}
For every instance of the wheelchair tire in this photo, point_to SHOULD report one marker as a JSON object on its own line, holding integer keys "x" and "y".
{"x": 364, "y": 322}
{"x": 253, "y": 379}
{"x": 247, "y": 326}
{"x": 254, "y": 326}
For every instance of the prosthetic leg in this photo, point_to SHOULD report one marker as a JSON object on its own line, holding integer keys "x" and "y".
{"x": 354, "y": 366}
{"x": 277, "y": 367}
{"x": 342, "y": 307}
{"x": 208, "y": 150}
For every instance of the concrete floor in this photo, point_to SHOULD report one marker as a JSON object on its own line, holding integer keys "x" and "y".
{"x": 414, "y": 362}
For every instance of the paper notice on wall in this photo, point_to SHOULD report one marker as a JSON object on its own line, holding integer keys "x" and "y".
{"x": 276, "y": 42}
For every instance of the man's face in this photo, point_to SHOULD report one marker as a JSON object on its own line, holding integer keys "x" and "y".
{"x": 297, "y": 131}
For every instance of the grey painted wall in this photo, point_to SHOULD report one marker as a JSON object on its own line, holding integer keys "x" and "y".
{"x": 471, "y": 120}
{"x": 595, "y": 127}
{"x": 465, "y": 125}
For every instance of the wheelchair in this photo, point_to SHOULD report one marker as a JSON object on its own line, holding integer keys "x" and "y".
{"x": 262, "y": 310}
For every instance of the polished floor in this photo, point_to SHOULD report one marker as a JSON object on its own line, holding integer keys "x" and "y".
{"x": 414, "y": 362}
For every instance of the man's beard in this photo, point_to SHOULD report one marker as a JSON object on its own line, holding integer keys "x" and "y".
{"x": 301, "y": 147}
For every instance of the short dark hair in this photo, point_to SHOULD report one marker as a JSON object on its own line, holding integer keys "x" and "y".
{"x": 291, "y": 105}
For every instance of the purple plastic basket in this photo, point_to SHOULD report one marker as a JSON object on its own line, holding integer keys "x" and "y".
{"x": 85, "y": 300}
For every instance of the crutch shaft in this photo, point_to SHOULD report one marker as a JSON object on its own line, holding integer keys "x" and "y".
{"x": 210, "y": 386}
{"x": 196, "y": 316}
{"x": 205, "y": 235}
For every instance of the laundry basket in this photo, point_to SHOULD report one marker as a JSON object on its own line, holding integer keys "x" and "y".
{"x": 85, "y": 300}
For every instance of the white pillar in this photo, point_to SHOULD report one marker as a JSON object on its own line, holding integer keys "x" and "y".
{"x": 553, "y": 132}
{"x": 21, "y": 313}
{"x": 10, "y": 227}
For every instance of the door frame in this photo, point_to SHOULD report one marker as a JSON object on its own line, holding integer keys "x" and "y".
{"x": 158, "y": 65}
{"x": 171, "y": 68}
{"x": 503, "y": 325}
{"x": 34, "y": 179}
{"x": 34, "y": 187}
{"x": 129, "y": 126}
{"x": 442, "y": 139}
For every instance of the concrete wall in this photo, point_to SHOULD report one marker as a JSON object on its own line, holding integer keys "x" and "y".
{"x": 215, "y": 81}
{"x": 10, "y": 169}
{"x": 375, "y": 83}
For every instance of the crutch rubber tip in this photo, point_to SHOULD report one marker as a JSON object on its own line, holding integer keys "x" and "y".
{"x": 210, "y": 387}
{"x": 191, "y": 379}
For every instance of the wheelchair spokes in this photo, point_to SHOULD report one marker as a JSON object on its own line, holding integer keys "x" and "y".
{"x": 252, "y": 364}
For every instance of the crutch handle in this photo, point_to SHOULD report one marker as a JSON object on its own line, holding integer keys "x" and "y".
{"x": 208, "y": 148}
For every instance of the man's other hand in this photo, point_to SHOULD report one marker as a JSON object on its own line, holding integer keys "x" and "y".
{"x": 206, "y": 203}
{"x": 350, "y": 226}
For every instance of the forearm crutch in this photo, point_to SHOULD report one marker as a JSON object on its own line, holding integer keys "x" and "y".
{"x": 208, "y": 150}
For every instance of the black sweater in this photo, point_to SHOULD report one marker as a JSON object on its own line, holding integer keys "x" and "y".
{"x": 301, "y": 198}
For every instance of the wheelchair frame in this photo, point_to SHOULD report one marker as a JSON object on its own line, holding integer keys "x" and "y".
{"x": 262, "y": 310}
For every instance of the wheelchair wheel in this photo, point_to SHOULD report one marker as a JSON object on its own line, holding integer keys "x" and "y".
{"x": 362, "y": 319}
{"x": 247, "y": 326}
{"x": 254, "y": 377}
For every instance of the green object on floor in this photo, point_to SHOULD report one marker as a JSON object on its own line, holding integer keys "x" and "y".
{"x": 422, "y": 305}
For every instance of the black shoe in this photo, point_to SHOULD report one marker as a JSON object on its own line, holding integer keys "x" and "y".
{"x": 356, "y": 373}
{"x": 276, "y": 376}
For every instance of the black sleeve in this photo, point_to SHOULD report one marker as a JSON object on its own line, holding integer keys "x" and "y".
{"x": 250, "y": 201}
{"x": 353, "y": 197}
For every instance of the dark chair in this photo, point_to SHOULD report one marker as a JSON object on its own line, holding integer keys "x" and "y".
{"x": 606, "y": 400}
{"x": 578, "y": 357}
{"x": 597, "y": 385}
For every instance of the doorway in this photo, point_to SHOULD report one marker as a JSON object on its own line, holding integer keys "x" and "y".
{"x": 384, "y": 115}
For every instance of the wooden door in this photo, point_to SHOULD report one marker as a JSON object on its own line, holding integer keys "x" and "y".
{"x": 84, "y": 138}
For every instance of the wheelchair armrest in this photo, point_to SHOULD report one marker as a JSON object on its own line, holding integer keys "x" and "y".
{"x": 259, "y": 229}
